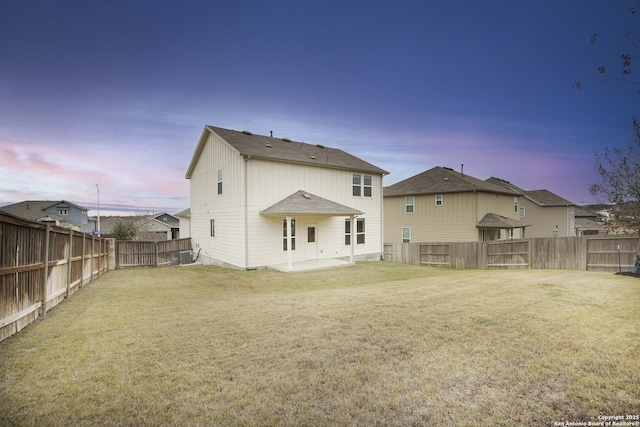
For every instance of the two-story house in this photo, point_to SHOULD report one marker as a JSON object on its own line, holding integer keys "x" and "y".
{"x": 60, "y": 213}
{"x": 259, "y": 201}
{"x": 549, "y": 214}
{"x": 443, "y": 205}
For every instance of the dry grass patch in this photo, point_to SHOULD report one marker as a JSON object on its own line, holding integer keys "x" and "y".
{"x": 374, "y": 344}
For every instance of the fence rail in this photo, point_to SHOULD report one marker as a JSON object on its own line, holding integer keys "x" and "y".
{"x": 40, "y": 266}
{"x": 609, "y": 253}
{"x": 135, "y": 253}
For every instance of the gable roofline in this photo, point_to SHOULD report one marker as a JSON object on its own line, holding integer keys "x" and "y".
{"x": 35, "y": 210}
{"x": 263, "y": 147}
{"x": 304, "y": 203}
{"x": 443, "y": 180}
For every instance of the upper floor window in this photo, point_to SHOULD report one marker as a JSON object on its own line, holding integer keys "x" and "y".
{"x": 220, "y": 181}
{"x": 409, "y": 204}
{"x": 63, "y": 211}
{"x": 439, "y": 200}
{"x": 515, "y": 205}
{"x": 361, "y": 185}
{"x": 522, "y": 212}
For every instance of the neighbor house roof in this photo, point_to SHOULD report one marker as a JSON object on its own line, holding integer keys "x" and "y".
{"x": 539, "y": 197}
{"x": 304, "y": 203}
{"x": 284, "y": 150}
{"x": 34, "y": 210}
{"x": 492, "y": 220}
{"x": 439, "y": 180}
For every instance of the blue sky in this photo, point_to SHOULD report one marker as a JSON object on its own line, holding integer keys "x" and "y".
{"x": 118, "y": 92}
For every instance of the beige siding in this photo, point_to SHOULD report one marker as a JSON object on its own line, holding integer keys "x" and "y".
{"x": 227, "y": 209}
{"x": 270, "y": 182}
{"x": 543, "y": 220}
{"x": 454, "y": 221}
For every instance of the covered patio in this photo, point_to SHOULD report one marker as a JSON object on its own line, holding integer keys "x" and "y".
{"x": 304, "y": 204}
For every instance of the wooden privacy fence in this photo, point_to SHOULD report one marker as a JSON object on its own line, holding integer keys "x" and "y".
{"x": 40, "y": 266}
{"x": 609, "y": 253}
{"x": 134, "y": 253}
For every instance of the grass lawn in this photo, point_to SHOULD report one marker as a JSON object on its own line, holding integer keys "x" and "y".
{"x": 375, "y": 344}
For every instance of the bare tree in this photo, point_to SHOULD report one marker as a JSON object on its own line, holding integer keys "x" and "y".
{"x": 618, "y": 172}
{"x": 627, "y": 57}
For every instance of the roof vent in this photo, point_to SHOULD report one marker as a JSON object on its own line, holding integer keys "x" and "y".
{"x": 286, "y": 139}
{"x": 269, "y": 145}
{"x": 313, "y": 157}
{"x": 319, "y": 145}
{"x": 446, "y": 178}
{"x": 246, "y": 132}
{"x": 306, "y": 196}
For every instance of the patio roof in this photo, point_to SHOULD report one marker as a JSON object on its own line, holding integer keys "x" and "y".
{"x": 304, "y": 203}
{"x": 492, "y": 220}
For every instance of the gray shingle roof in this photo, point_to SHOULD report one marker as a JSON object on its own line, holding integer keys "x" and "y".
{"x": 304, "y": 203}
{"x": 540, "y": 197}
{"x": 440, "y": 180}
{"x": 284, "y": 150}
{"x": 492, "y": 220}
{"x": 34, "y": 210}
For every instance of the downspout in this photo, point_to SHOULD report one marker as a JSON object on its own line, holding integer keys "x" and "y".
{"x": 246, "y": 213}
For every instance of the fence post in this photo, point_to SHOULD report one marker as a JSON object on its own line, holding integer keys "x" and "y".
{"x": 69, "y": 255}
{"x": 45, "y": 270}
{"x": 93, "y": 245}
{"x": 155, "y": 245}
{"x": 84, "y": 248}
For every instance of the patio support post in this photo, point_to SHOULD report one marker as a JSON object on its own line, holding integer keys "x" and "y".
{"x": 289, "y": 248}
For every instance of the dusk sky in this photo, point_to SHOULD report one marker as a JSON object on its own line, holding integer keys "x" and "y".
{"x": 117, "y": 93}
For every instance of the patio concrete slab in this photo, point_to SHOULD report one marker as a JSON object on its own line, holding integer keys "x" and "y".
{"x": 315, "y": 264}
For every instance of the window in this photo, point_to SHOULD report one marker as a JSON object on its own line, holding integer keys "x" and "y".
{"x": 522, "y": 212}
{"x": 367, "y": 186}
{"x": 360, "y": 231}
{"x": 219, "y": 181}
{"x": 439, "y": 200}
{"x": 515, "y": 205}
{"x": 63, "y": 211}
{"x": 409, "y": 204}
{"x": 361, "y": 185}
{"x": 356, "y": 184}
{"x": 347, "y": 232}
{"x": 406, "y": 235}
{"x": 293, "y": 234}
{"x": 212, "y": 227}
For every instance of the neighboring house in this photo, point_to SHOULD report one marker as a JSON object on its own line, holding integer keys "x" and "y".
{"x": 586, "y": 223}
{"x": 258, "y": 201}
{"x": 549, "y": 214}
{"x": 442, "y": 205}
{"x": 185, "y": 223}
{"x": 60, "y": 213}
{"x": 156, "y": 227}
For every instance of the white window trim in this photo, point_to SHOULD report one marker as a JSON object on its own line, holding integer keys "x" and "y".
{"x": 406, "y": 228}
{"x": 412, "y": 204}
{"x": 439, "y": 198}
